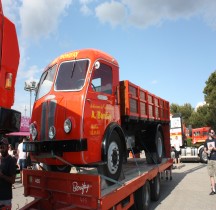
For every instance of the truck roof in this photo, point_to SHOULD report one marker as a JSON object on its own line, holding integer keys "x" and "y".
{"x": 84, "y": 53}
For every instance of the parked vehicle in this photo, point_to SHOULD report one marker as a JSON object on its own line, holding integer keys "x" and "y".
{"x": 191, "y": 139}
{"x": 84, "y": 116}
{"x": 9, "y": 61}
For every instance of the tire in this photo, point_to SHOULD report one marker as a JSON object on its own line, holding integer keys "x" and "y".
{"x": 203, "y": 156}
{"x": 157, "y": 155}
{"x": 155, "y": 188}
{"x": 63, "y": 169}
{"x": 114, "y": 159}
{"x": 142, "y": 197}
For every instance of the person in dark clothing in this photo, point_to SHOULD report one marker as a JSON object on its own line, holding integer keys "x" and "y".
{"x": 210, "y": 149}
{"x": 7, "y": 175}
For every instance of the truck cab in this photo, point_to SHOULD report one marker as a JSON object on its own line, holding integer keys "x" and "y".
{"x": 75, "y": 110}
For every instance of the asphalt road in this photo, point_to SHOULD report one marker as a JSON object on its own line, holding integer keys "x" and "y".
{"x": 189, "y": 189}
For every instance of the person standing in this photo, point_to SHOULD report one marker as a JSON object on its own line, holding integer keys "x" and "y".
{"x": 7, "y": 175}
{"x": 210, "y": 149}
{"x": 22, "y": 162}
{"x": 177, "y": 151}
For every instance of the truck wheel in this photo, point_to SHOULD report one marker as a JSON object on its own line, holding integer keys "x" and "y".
{"x": 156, "y": 156}
{"x": 114, "y": 159}
{"x": 203, "y": 156}
{"x": 142, "y": 197}
{"x": 155, "y": 188}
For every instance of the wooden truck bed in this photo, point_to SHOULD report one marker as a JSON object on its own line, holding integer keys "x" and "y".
{"x": 54, "y": 190}
{"x": 139, "y": 103}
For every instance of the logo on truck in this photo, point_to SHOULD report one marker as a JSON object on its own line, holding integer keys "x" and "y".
{"x": 84, "y": 188}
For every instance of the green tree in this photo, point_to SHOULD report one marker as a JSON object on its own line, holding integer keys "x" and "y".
{"x": 174, "y": 108}
{"x": 199, "y": 118}
{"x": 186, "y": 110}
{"x": 210, "y": 98}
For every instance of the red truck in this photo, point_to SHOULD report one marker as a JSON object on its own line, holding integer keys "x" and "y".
{"x": 191, "y": 139}
{"x": 84, "y": 116}
{"x": 9, "y": 62}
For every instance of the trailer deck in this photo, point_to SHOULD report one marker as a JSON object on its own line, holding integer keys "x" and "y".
{"x": 55, "y": 190}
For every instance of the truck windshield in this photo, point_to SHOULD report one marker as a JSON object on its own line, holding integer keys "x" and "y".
{"x": 46, "y": 82}
{"x": 71, "y": 75}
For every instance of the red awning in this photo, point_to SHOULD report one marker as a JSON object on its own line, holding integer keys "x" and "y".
{"x": 23, "y": 133}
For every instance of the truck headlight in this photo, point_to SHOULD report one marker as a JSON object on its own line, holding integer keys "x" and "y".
{"x": 52, "y": 132}
{"x": 33, "y": 131}
{"x": 67, "y": 125}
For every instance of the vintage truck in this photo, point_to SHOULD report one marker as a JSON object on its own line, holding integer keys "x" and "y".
{"x": 84, "y": 116}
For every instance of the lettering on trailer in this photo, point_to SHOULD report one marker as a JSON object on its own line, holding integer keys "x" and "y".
{"x": 84, "y": 188}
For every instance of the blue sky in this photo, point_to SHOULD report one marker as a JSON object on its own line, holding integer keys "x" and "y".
{"x": 167, "y": 47}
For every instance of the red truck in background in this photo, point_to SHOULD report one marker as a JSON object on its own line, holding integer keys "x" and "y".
{"x": 84, "y": 116}
{"x": 191, "y": 139}
{"x": 9, "y": 62}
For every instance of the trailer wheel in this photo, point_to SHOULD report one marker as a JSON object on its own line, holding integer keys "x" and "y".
{"x": 203, "y": 156}
{"x": 142, "y": 197}
{"x": 114, "y": 159}
{"x": 156, "y": 156}
{"x": 155, "y": 188}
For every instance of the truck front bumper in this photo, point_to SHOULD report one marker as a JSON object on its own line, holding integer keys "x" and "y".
{"x": 55, "y": 146}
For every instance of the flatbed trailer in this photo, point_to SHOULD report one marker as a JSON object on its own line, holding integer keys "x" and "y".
{"x": 139, "y": 183}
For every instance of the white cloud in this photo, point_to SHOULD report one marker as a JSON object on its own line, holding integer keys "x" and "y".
{"x": 10, "y": 10}
{"x": 113, "y": 13}
{"x": 30, "y": 74}
{"x": 144, "y": 13}
{"x": 40, "y": 18}
{"x": 85, "y": 10}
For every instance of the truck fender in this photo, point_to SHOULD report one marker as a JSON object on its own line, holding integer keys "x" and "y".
{"x": 110, "y": 128}
{"x": 159, "y": 128}
{"x": 156, "y": 129}
{"x": 199, "y": 148}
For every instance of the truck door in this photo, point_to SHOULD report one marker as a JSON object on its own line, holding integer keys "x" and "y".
{"x": 99, "y": 106}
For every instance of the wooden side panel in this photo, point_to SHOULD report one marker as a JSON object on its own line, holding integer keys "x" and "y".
{"x": 137, "y": 102}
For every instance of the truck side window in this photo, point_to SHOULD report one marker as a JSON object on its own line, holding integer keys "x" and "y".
{"x": 102, "y": 79}
{"x": 46, "y": 82}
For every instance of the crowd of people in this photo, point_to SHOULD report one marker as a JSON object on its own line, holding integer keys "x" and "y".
{"x": 11, "y": 161}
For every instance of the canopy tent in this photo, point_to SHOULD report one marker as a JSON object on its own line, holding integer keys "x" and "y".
{"x": 21, "y": 133}
{"x": 24, "y": 128}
